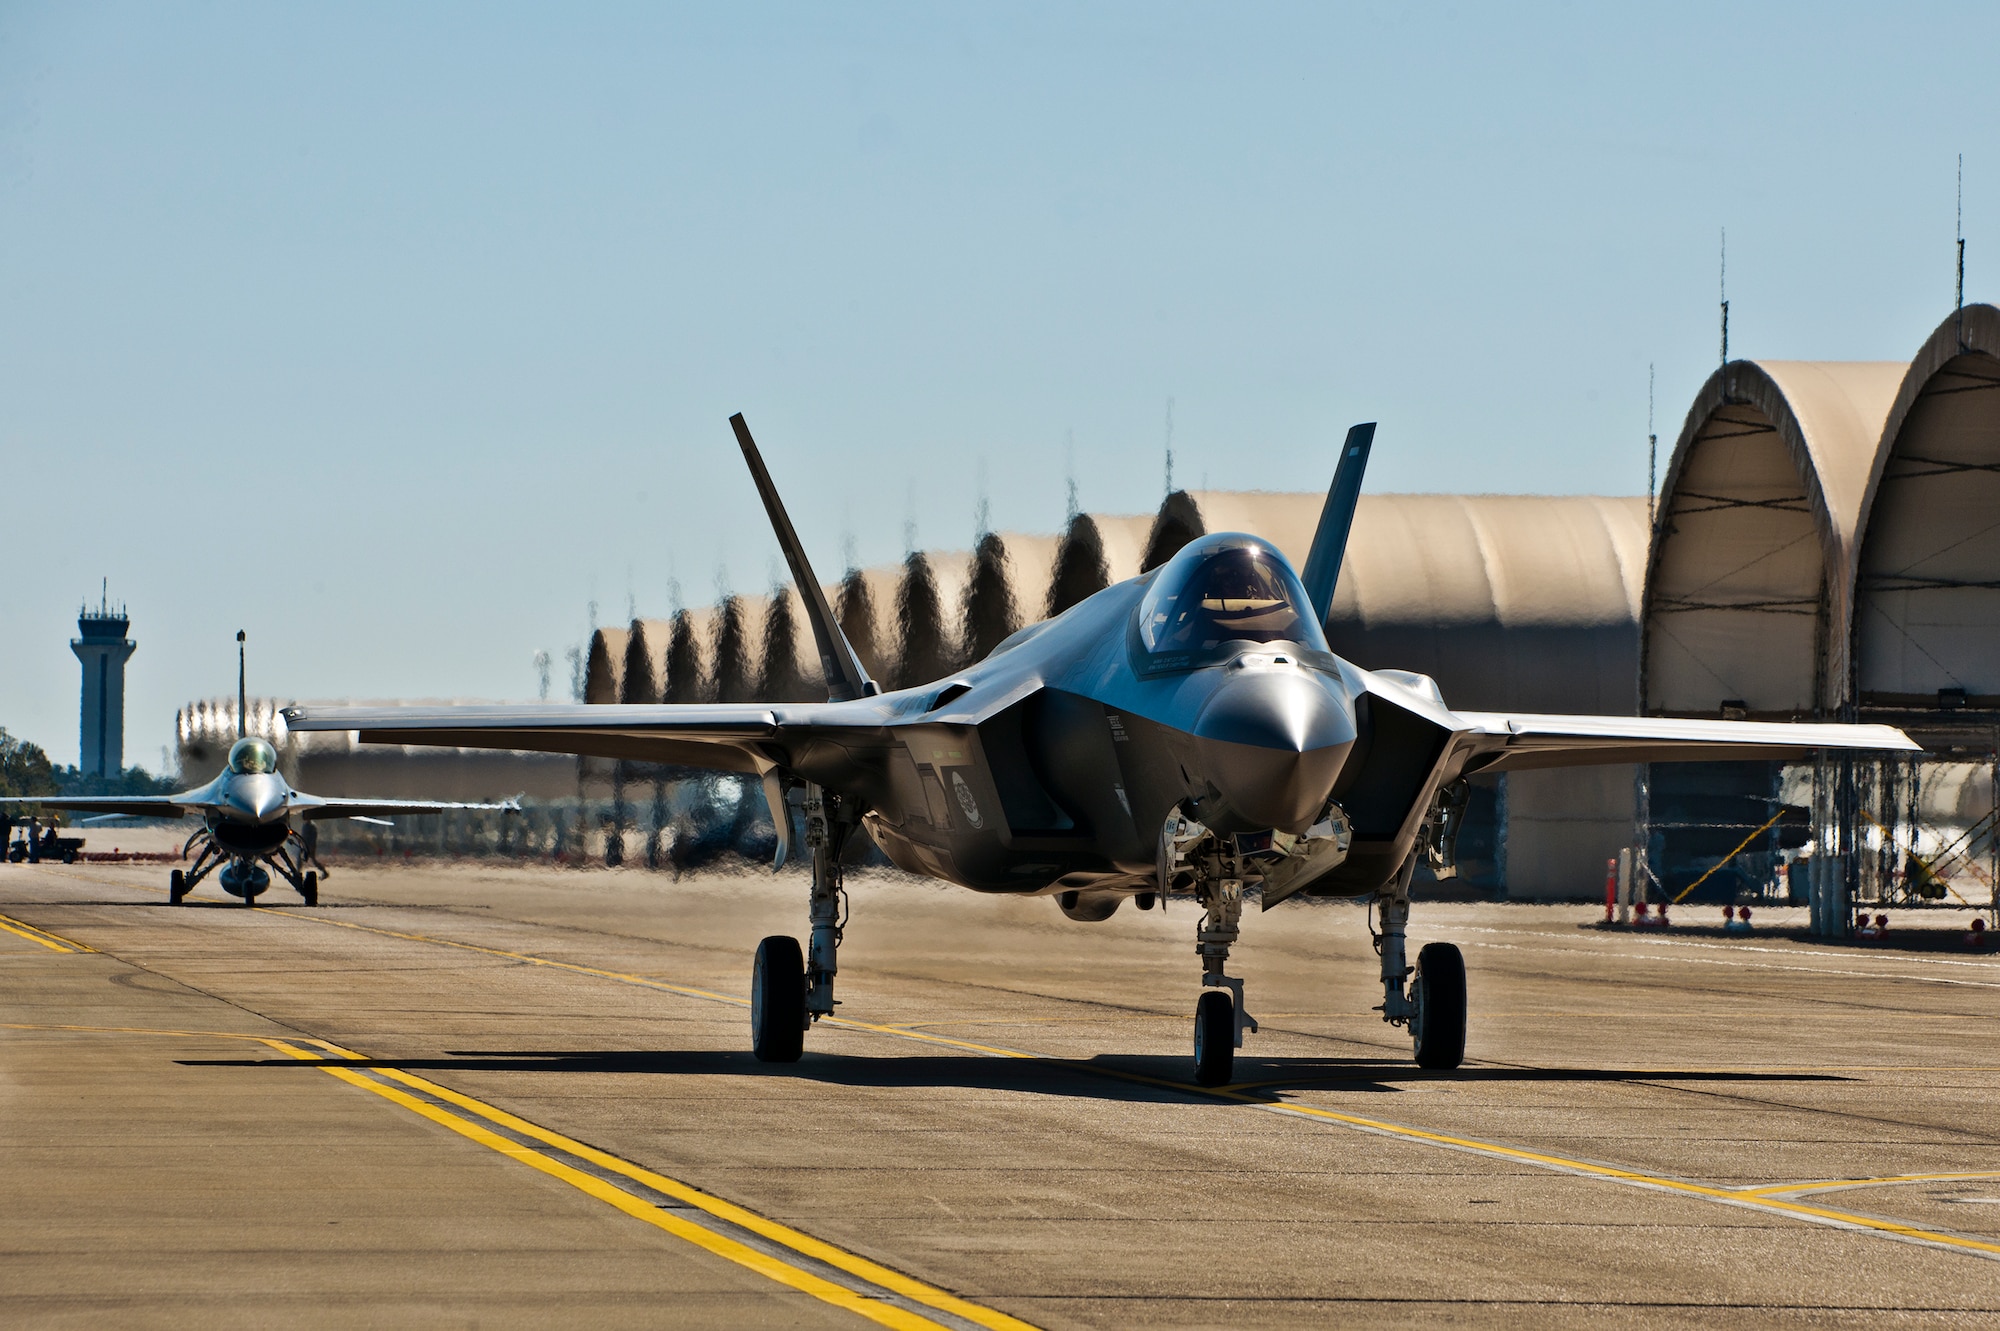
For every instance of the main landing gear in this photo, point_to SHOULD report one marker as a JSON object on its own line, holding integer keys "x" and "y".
{"x": 789, "y": 991}
{"x": 240, "y": 868}
{"x": 1433, "y": 1003}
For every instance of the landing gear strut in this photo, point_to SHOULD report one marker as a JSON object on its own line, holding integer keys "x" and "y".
{"x": 789, "y": 992}
{"x": 1219, "y": 1017}
{"x": 1433, "y": 1003}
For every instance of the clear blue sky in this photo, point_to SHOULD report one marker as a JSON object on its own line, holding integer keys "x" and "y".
{"x": 396, "y": 334}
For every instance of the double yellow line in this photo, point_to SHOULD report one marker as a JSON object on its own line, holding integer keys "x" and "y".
{"x": 1771, "y": 1200}
{"x": 778, "y": 1252}
{"x": 586, "y": 1168}
{"x": 53, "y": 942}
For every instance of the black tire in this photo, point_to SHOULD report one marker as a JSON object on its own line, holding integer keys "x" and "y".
{"x": 309, "y": 889}
{"x": 177, "y": 888}
{"x": 1438, "y": 1027}
{"x": 1214, "y": 1038}
{"x": 778, "y": 1001}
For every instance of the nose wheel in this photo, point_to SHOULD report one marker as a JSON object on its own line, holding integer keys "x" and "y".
{"x": 1214, "y": 1038}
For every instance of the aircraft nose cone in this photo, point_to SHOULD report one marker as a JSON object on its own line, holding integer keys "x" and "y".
{"x": 255, "y": 799}
{"x": 1271, "y": 743}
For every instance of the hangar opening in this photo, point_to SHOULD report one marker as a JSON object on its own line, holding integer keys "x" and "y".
{"x": 1927, "y": 622}
{"x": 1746, "y": 605}
{"x": 1748, "y": 559}
{"x": 1926, "y": 629}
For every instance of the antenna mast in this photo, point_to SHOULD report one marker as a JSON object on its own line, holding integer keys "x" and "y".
{"x": 242, "y": 693}
{"x": 1722, "y": 290}
{"x": 1652, "y": 456}
{"x": 1960, "y": 306}
{"x": 1170, "y": 445}
{"x": 1069, "y": 469}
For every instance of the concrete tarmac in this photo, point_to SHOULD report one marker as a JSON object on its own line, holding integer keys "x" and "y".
{"x": 463, "y": 1096}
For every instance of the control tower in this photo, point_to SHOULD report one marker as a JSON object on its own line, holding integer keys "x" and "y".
{"x": 103, "y": 648}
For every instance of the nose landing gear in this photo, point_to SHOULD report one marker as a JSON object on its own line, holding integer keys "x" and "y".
{"x": 1220, "y": 1018}
{"x": 1214, "y": 1038}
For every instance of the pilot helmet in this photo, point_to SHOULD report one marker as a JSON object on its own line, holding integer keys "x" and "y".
{"x": 1225, "y": 588}
{"x": 251, "y": 756}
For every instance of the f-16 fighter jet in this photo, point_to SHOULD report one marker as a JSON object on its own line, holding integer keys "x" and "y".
{"x": 1188, "y": 730}
{"x": 246, "y": 817}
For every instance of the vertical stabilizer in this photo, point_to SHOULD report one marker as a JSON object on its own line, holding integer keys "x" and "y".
{"x": 1329, "y": 547}
{"x": 845, "y": 677}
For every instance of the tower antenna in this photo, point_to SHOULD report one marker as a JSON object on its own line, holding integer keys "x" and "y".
{"x": 1652, "y": 455}
{"x": 242, "y": 693}
{"x": 1959, "y": 308}
{"x": 1722, "y": 290}
{"x": 982, "y": 511}
{"x": 1170, "y": 445}
{"x": 1069, "y": 469}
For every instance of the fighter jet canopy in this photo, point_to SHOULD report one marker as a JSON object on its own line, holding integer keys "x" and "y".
{"x": 251, "y": 756}
{"x": 1223, "y": 589}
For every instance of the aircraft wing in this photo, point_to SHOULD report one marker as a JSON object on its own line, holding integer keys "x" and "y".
{"x": 731, "y": 737}
{"x": 316, "y": 807}
{"x": 130, "y": 806}
{"x": 1503, "y": 742}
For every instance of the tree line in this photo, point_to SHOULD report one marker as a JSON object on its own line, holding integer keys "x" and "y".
{"x": 25, "y": 770}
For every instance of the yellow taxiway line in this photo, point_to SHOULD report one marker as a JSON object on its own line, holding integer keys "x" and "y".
{"x": 510, "y": 1136}
{"x": 868, "y": 1289}
{"x": 1752, "y": 1199}
{"x": 54, "y": 942}
{"x": 1829, "y": 1185}
{"x": 1756, "y": 1200}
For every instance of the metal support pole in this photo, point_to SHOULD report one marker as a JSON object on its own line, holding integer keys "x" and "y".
{"x": 1216, "y": 932}
{"x": 1625, "y": 886}
{"x": 1393, "y": 907}
{"x": 1847, "y": 805}
{"x": 825, "y": 835}
{"x": 1219, "y": 928}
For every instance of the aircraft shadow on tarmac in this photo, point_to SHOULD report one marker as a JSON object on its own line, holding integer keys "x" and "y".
{"x": 1105, "y": 1077}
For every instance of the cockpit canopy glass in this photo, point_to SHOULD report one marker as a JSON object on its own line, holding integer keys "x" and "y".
{"x": 252, "y": 756}
{"x": 1220, "y": 590}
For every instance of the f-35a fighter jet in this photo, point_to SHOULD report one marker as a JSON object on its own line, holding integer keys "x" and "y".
{"x": 1187, "y": 730}
{"x": 246, "y": 817}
